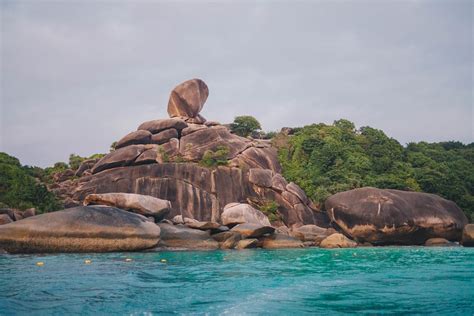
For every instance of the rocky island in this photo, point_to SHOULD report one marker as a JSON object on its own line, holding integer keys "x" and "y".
{"x": 186, "y": 183}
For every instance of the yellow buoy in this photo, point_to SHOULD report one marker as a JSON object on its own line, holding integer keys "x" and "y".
{"x": 87, "y": 261}
{"x": 128, "y": 260}
{"x": 163, "y": 260}
{"x": 40, "y": 264}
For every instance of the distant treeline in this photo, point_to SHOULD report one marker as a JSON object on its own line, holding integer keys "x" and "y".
{"x": 326, "y": 159}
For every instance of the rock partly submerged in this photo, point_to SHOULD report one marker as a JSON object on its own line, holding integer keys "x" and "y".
{"x": 468, "y": 236}
{"x": 395, "y": 217}
{"x": 180, "y": 237}
{"x": 337, "y": 241}
{"x": 80, "y": 229}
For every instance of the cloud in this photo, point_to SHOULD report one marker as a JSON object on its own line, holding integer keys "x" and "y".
{"x": 78, "y": 76}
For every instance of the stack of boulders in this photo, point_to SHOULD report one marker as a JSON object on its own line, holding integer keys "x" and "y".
{"x": 163, "y": 158}
{"x": 154, "y": 191}
{"x": 130, "y": 222}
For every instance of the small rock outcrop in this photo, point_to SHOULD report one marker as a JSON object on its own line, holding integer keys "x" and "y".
{"x": 438, "y": 242}
{"x": 248, "y": 230}
{"x": 395, "y": 217}
{"x": 278, "y": 241}
{"x": 136, "y": 203}
{"x": 80, "y": 229}
{"x": 468, "y": 236}
{"x": 184, "y": 238}
{"x": 240, "y": 213}
{"x": 337, "y": 241}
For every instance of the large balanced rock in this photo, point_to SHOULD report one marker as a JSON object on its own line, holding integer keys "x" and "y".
{"x": 80, "y": 229}
{"x": 182, "y": 237}
{"x": 337, "y": 241}
{"x": 141, "y": 204}
{"x": 468, "y": 236}
{"x": 188, "y": 98}
{"x": 395, "y": 217}
{"x": 239, "y": 213}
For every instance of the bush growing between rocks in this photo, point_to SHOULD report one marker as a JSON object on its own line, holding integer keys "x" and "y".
{"x": 245, "y": 125}
{"x": 212, "y": 159}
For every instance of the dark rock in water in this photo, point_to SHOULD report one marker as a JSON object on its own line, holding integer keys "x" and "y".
{"x": 248, "y": 230}
{"x": 231, "y": 241}
{"x": 337, "y": 241}
{"x": 221, "y": 237}
{"x": 80, "y": 229}
{"x": 468, "y": 236}
{"x": 182, "y": 237}
{"x": 439, "y": 242}
{"x": 141, "y": 204}
{"x": 395, "y": 217}
{"x": 277, "y": 241}
{"x": 157, "y": 126}
{"x": 312, "y": 233}
{"x": 247, "y": 243}
{"x": 5, "y": 219}
{"x": 134, "y": 138}
{"x": 188, "y": 98}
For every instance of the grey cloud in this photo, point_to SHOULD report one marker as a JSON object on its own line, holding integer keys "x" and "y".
{"x": 77, "y": 76}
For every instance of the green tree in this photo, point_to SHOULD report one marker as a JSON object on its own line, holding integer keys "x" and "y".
{"x": 245, "y": 125}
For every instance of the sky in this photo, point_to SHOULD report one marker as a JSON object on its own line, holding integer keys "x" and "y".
{"x": 78, "y": 75}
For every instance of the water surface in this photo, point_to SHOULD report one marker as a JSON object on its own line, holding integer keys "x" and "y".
{"x": 302, "y": 281}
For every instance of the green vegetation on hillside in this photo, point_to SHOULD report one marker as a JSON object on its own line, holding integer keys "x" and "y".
{"x": 326, "y": 159}
{"x": 21, "y": 187}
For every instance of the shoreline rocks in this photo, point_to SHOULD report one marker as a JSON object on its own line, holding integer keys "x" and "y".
{"x": 384, "y": 217}
{"x": 80, "y": 229}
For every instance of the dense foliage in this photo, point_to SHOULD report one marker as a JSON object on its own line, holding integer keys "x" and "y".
{"x": 20, "y": 186}
{"x": 245, "y": 125}
{"x": 326, "y": 159}
{"x": 212, "y": 159}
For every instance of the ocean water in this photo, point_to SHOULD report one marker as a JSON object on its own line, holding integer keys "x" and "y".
{"x": 391, "y": 280}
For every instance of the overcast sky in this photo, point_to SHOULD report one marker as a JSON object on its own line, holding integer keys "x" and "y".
{"x": 77, "y": 76}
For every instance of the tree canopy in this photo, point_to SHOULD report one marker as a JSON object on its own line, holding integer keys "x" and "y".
{"x": 326, "y": 159}
{"x": 21, "y": 188}
{"x": 245, "y": 125}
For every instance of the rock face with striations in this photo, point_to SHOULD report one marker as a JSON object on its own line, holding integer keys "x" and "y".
{"x": 163, "y": 159}
{"x": 395, "y": 217}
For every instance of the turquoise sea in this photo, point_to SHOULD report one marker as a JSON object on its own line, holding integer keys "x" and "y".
{"x": 389, "y": 280}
